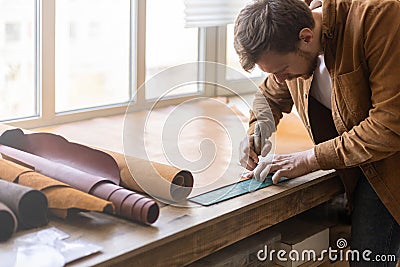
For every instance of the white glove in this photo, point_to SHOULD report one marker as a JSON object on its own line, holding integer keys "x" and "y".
{"x": 261, "y": 143}
{"x": 264, "y": 166}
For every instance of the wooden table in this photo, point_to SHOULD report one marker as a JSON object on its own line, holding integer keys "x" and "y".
{"x": 183, "y": 235}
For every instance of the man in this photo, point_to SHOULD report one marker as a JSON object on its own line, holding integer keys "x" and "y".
{"x": 340, "y": 66}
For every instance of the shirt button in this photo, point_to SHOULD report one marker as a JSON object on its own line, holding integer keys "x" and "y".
{"x": 305, "y": 96}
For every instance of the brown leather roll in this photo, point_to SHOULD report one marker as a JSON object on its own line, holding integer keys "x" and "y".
{"x": 29, "y": 205}
{"x": 8, "y": 222}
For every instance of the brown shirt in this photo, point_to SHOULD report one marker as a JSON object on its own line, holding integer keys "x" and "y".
{"x": 361, "y": 46}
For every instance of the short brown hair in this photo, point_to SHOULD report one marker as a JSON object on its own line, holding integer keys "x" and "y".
{"x": 269, "y": 25}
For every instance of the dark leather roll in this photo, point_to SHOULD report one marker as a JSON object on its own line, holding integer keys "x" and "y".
{"x": 29, "y": 205}
{"x": 8, "y": 222}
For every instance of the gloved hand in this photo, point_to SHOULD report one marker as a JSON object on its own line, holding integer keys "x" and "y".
{"x": 253, "y": 145}
{"x": 289, "y": 165}
{"x": 247, "y": 156}
{"x": 262, "y": 146}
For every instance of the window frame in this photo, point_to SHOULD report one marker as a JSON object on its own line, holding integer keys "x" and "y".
{"x": 212, "y": 48}
{"x": 241, "y": 85}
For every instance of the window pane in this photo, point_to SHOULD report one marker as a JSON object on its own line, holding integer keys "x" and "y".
{"x": 169, "y": 43}
{"x": 92, "y": 53}
{"x": 232, "y": 59}
{"x": 17, "y": 59}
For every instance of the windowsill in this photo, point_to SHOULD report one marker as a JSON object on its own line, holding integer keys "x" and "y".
{"x": 107, "y": 132}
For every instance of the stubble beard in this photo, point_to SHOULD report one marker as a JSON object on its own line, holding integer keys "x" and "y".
{"x": 311, "y": 59}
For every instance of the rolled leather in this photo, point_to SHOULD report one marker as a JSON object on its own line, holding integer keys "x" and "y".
{"x": 29, "y": 205}
{"x": 8, "y": 222}
{"x": 62, "y": 198}
{"x": 156, "y": 179}
{"x": 128, "y": 204}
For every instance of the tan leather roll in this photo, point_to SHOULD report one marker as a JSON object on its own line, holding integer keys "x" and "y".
{"x": 156, "y": 179}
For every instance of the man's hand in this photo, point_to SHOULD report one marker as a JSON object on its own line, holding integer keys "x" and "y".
{"x": 261, "y": 143}
{"x": 252, "y": 146}
{"x": 248, "y": 156}
{"x": 289, "y": 165}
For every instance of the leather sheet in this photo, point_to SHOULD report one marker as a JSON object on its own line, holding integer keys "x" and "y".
{"x": 8, "y": 222}
{"x": 62, "y": 198}
{"x": 57, "y": 149}
{"x": 127, "y": 204}
{"x": 29, "y": 205}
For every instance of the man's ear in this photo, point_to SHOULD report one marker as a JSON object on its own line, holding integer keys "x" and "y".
{"x": 306, "y": 36}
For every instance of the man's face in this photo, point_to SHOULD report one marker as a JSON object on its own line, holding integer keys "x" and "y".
{"x": 288, "y": 66}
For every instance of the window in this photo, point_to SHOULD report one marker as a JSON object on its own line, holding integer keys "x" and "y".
{"x": 92, "y": 53}
{"x": 232, "y": 77}
{"x": 70, "y": 60}
{"x": 232, "y": 59}
{"x": 12, "y": 32}
{"x": 18, "y": 59}
{"x": 169, "y": 43}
